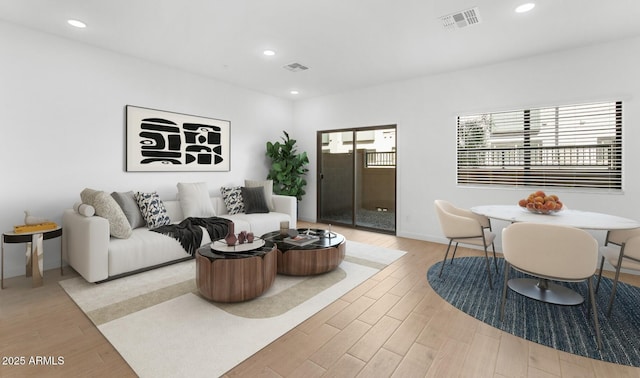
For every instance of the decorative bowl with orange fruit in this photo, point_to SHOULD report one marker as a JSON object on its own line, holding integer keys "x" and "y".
{"x": 540, "y": 203}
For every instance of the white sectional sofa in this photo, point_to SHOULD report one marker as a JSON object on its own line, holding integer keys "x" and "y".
{"x": 98, "y": 256}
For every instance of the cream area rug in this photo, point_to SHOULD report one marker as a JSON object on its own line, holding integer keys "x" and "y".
{"x": 163, "y": 328}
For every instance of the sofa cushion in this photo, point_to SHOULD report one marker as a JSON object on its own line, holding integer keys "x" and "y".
{"x": 194, "y": 200}
{"x": 152, "y": 209}
{"x": 233, "y": 199}
{"x": 106, "y": 207}
{"x": 267, "y": 185}
{"x": 129, "y": 206}
{"x": 254, "y": 200}
{"x": 84, "y": 209}
{"x": 143, "y": 249}
{"x": 259, "y": 224}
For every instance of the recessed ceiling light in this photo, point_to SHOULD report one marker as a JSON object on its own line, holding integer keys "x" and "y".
{"x": 525, "y": 7}
{"x": 294, "y": 92}
{"x": 77, "y": 24}
{"x": 269, "y": 52}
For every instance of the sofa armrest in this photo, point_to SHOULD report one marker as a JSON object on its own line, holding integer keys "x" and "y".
{"x": 287, "y": 205}
{"x": 85, "y": 241}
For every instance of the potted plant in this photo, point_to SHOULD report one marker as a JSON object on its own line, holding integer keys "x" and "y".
{"x": 288, "y": 167}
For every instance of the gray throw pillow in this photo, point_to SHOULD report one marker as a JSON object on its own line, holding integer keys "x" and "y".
{"x": 254, "y": 201}
{"x": 130, "y": 208}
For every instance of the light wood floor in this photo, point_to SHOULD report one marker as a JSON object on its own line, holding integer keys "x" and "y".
{"x": 391, "y": 325}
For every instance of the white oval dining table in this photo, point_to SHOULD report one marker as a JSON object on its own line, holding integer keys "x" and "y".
{"x": 542, "y": 289}
{"x": 587, "y": 220}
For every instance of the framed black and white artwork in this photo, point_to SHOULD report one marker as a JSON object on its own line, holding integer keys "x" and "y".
{"x": 161, "y": 141}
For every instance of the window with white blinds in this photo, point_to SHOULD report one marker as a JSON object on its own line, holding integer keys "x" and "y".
{"x": 575, "y": 146}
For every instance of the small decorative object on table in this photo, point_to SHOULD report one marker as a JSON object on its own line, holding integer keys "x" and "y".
{"x": 31, "y": 220}
{"x": 242, "y": 236}
{"x": 40, "y": 227}
{"x": 250, "y": 237}
{"x": 231, "y": 239}
{"x": 540, "y": 203}
{"x": 284, "y": 228}
{"x": 34, "y": 224}
{"x": 302, "y": 239}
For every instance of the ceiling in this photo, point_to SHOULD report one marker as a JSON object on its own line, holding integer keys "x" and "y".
{"x": 346, "y": 44}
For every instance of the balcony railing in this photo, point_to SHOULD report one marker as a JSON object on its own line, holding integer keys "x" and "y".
{"x": 380, "y": 159}
{"x": 601, "y": 155}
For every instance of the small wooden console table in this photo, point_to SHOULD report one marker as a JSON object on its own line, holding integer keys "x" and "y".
{"x": 35, "y": 252}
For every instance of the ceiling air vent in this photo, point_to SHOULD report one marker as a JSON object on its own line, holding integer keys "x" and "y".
{"x": 295, "y": 67}
{"x": 461, "y": 19}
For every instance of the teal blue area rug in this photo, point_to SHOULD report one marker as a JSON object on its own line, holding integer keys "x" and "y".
{"x": 464, "y": 284}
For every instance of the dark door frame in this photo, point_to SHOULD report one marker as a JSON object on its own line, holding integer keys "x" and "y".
{"x": 319, "y": 177}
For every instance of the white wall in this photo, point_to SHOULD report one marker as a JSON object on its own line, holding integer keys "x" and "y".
{"x": 425, "y": 111}
{"x": 62, "y": 121}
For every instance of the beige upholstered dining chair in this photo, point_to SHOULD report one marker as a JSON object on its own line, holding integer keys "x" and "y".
{"x": 622, "y": 250}
{"x": 552, "y": 252}
{"x": 463, "y": 226}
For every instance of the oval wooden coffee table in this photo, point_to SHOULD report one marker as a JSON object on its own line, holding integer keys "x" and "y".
{"x": 321, "y": 256}
{"x": 223, "y": 276}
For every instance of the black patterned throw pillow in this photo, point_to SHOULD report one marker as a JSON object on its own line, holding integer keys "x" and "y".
{"x": 152, "y": 209}
{"x": 233, "y": 199}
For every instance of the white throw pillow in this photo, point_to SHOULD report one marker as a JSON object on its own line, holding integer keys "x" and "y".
{"x": 106, "y": 207}
{"x": 268, "y": 190}
{"x": 194, "y": 200}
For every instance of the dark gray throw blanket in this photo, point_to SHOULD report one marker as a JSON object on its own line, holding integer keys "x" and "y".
{"x": 189, "y": 233}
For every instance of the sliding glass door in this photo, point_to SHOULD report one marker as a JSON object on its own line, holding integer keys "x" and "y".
{"x": 336, "y": 173}
{"x": 357, "y": 177}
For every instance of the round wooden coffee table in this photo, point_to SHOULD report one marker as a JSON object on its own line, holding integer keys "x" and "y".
{"x": 235, "y": 276}
{"x": 321, "y": 256}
